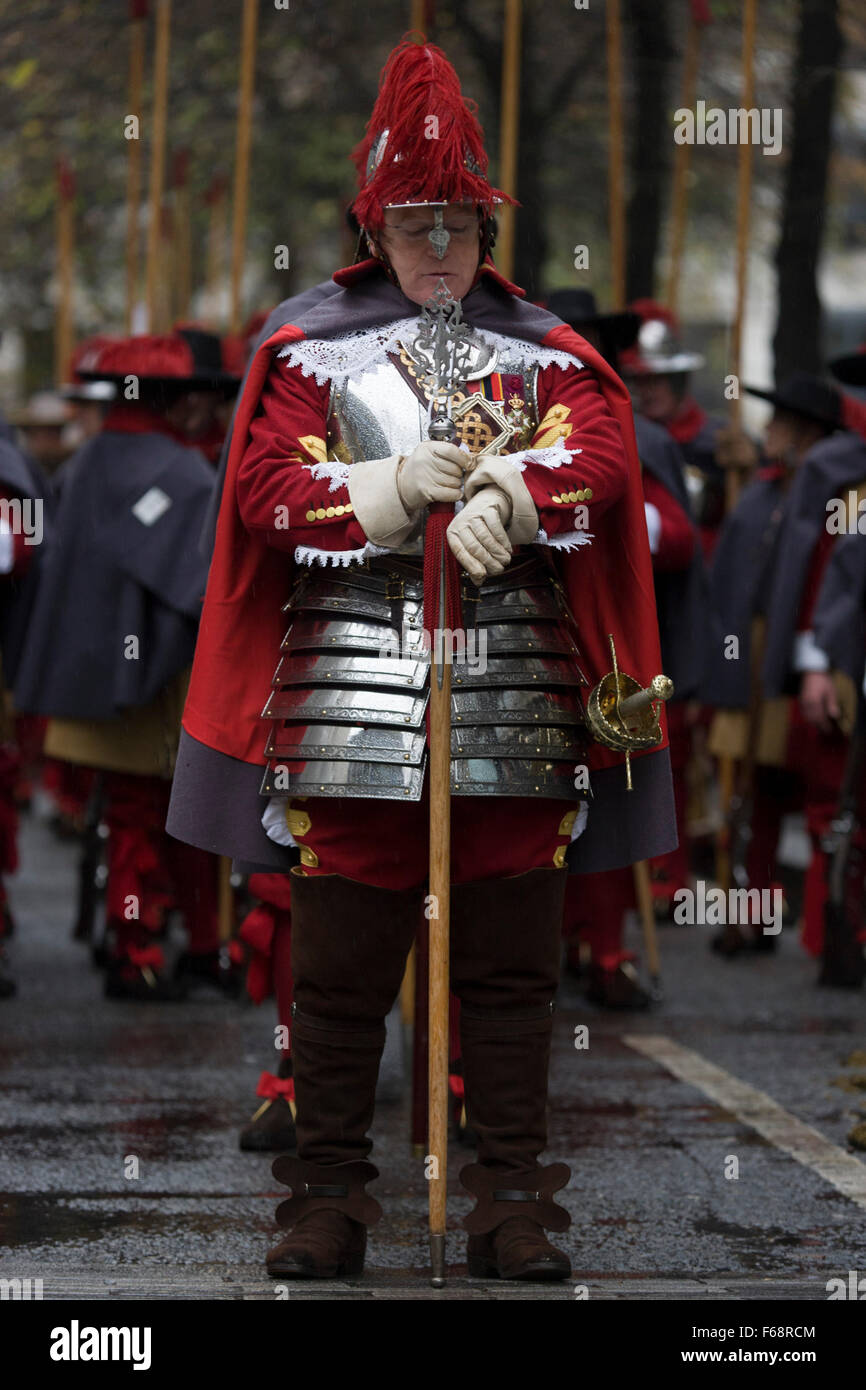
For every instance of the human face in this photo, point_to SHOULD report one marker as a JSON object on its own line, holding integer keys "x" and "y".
{"x": 788, "y": 437}
{"x": 656, "y": 398}
{"x": 406, "y": 241}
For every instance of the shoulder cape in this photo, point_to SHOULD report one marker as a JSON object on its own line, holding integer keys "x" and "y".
{"x": 123, "y": 564}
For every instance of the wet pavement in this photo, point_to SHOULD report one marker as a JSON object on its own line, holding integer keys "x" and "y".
{"x": 87, "y": 1085}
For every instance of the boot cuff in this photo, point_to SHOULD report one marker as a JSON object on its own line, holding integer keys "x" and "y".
{"x": 333, "y": 1186}
{"x": 521, "y": 1192}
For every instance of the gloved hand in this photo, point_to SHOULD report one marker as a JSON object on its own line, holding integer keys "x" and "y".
{"x": 477, "y": 534}
{"x": 433, "y": 472}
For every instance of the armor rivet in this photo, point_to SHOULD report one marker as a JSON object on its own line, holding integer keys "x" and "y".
{"x": 321, "y": 789}
{"x": 405, "y": 757}
{"x": 406, "y": 719}
{"x": 457, "y": 786}
{"x": 459, "y": 680}
{"x": 460, "y": 718}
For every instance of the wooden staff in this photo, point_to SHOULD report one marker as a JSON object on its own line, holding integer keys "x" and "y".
{"x": 64, "y": 330}
{"x": 732, "y": 479}
{"x": 440, "y": 893}
{"x": 137, "y": 37}
{"x": 182, "y": 238}
{"x": 616, "y": 162}
{"x": 509, "y": 132}
{"x": 699, "y": 15}
{"x": 242, "y": 155}
{"x": 225, "y": 899}
{"x": 216, "y": 243}
{"x": 744, "y": 196}
{"x": 647, "y": 915}
{"x": 422, "y": 14}
{"x": 157, "y": 160}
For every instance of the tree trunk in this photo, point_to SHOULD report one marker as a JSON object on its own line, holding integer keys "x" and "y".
{"x": 651, "y": 142}
{"x": 797, "y": 343}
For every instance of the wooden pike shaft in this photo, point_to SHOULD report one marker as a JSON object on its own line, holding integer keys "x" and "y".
{"x": 682, "y": 161}
{"x": 64, "y": 335}
{"x": 137, "y": 35}
{"x": 242, "y": 156}
{"x": 616, "y": 185}
{"x": 225, "y": 899}
{"x": 509, "y": 131}
{"x": 732, "y": 478}
{"x": 647, "y": 918}
{"x": 157, "y": 161}
{"x": 744, "y": 196}
{"x": 440, "y": 892}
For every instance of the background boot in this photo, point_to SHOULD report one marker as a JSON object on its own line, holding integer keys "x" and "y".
{"x": 272, "y": 1127}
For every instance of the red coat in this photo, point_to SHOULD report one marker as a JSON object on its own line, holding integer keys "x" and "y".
{"x": 609, "y": 583}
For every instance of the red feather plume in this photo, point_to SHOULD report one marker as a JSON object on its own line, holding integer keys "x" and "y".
{"x": 433, "y": 133}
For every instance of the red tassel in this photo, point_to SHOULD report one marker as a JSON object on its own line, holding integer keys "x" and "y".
{"x": 433, "y": 133}
{"x": 436, "y": 547}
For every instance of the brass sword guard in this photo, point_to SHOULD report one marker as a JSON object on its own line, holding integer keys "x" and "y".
{"x": 623, "y": 715}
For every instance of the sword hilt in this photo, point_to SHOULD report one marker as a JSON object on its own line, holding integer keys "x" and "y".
{"x": 659, "y": 688}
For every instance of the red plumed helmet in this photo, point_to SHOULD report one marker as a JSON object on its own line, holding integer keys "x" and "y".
{"x": 423, "y": 143}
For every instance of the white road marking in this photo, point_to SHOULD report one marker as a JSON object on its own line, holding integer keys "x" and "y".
{"x": 758, "y": 1110}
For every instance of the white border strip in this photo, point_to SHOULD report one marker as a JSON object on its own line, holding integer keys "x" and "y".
{"x": 758, "y": 1110}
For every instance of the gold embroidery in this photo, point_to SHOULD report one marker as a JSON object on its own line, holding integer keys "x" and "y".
{"x": 298, "y": 822}
{"x": 314, "y": 446}
{"x": 555, "y": 425}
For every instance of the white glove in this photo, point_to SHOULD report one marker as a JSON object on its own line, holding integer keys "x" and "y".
{"x": 477, "y": 534}
{"x": 433, "y": 472}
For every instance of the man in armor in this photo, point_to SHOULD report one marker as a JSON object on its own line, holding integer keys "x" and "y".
{"x": 327, "y": 486}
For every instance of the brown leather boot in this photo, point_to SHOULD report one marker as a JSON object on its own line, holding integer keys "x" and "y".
{"x": 349, "y": 949}
{"x": 507, "y": 1239}
{"x": 505, "y": 969}
{"x": 327, "y": 1216}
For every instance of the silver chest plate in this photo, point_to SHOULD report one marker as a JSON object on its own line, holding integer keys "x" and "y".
{"x": 351, "y": 688}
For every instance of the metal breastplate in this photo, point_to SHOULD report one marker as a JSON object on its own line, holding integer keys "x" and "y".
{"x": 351, "y": 689}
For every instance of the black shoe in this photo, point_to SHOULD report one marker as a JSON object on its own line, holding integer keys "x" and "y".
{"x": 208, "y": 968}
{"x": 617, "y": 989}
{"x": 123, "y": 980}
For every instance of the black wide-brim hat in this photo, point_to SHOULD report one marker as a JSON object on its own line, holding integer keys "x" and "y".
{"x": 850, "y": 369}
{"x": 578, "y": 309}
{"x": 189, "y": 359}
{"x": 806, "y": 395}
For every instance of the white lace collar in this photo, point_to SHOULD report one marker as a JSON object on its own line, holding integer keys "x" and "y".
{"x": 338, "y": 359}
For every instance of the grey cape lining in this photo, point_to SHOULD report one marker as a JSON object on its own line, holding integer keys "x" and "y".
{"x": 216, "y": 805}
